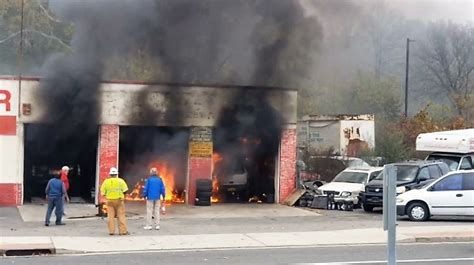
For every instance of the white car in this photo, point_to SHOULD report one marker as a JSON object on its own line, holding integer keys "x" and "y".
{"x": 350, "y": 182}
{"x": 452, "y": 194}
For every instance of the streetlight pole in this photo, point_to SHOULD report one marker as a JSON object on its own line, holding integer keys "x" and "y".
{"x": 406, "y": 75}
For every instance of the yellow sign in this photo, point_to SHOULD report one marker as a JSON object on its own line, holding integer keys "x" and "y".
{"x": 200, "y": 149}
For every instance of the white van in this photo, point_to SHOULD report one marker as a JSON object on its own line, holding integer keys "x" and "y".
{"x": 452, "y": 194}
{"x": 455, "y": 148}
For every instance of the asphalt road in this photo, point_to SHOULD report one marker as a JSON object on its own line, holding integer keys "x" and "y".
{"x": 422, "y": 253}
{"x": 11, "y": 224}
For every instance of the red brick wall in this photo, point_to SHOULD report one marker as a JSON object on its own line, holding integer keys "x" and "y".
{"x": 10, "y": 194}
{"x": 287, "y": 163}
{"x": 199, "y": 168}
{"x": 108, "y": 152}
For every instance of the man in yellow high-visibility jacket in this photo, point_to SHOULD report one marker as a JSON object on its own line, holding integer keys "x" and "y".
{"x": 113, "y": 190}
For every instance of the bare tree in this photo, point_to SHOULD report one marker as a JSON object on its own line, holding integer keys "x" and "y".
{"x": 384, "y": 28}
{"x": 448, "y": 59}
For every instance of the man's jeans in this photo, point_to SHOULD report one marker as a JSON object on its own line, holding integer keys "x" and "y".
{"x": 52, "y": 204}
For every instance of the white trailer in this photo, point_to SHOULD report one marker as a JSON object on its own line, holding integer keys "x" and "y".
{"x": 455, "y": 147}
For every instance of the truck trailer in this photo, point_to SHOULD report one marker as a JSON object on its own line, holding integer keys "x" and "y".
{"x": 455, "y": 148}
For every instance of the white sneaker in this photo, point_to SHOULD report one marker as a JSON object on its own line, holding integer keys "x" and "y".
{"x": 157, "y": 227}
{"x": 148, "y": 227}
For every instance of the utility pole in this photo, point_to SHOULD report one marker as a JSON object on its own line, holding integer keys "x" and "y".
{"x": 20, "y": 57}
{"x": 406, "y": 75}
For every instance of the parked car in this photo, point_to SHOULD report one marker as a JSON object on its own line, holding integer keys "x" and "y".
{"x": 325, "y": 168}
{"x": 410, "y": 175}
{"x": 452, "y": 194}
{"x": 350, "y": 182}
{"x": 234, "y": 182}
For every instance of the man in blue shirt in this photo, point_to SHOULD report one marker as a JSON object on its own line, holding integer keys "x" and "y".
{"x": 55, "y": 195}
{"x": 153, "y": 191}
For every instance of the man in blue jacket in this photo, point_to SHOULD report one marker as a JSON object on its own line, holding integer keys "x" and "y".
{"x": 153, "y": 191}
{"x": 55, "y": 195}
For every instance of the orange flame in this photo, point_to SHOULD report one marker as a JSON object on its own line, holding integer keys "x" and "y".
{"x": 216, "y": 159}
{"x": 215, "y": 190}
{"x": 167, "y": 174}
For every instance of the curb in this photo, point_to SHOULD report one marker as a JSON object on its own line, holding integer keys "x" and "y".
{"x": 408, "y": 240}
{"x": 30, "y": 249}
{"x": 444, "y": 239}
{"x": 27, "y": 249}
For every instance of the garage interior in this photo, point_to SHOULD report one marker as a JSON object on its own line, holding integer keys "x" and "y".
{"x": 48, "y": 148}
{"x": 144, "y": 147}
{"x": 259, "y": 170}
{"x": 166, "y": 148}
{"x": 243, "y": 147}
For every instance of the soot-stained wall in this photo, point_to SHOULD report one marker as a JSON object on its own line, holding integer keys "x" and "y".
{"x": 138, "y": 104}
{"x": 151, "y": 104}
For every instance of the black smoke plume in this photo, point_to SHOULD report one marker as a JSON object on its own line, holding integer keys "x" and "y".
{"x": 254, "y": 43}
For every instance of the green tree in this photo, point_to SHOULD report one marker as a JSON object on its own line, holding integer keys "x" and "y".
{"x": 43, "y": 34}
{"x": 378, "y": 96}
{"x": 390, "y": 144}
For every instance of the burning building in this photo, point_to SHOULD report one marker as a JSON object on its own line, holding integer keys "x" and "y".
{"x": 71, "y": 116}
{"x": 214, "y": 134}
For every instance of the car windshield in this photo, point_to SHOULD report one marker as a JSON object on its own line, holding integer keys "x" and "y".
{"x": 237, "y": 168}
{"x": 451, "y": 161}
{"x": 357, "y": 163}
{"x": 428, "y": 182}
{"x": 351, "y": 177}
{"x": 404, "y": 173}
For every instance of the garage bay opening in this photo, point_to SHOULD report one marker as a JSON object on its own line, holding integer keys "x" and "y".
{"x": 48, "y": 148}
{"x": 164, "y": 148}
{"x": 246, "y": 141}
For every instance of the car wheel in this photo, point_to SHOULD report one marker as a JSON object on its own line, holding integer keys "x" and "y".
{"x": 418, "y": 211}
{"x": 368, "y": 208}
{"x": 302, "y": 203}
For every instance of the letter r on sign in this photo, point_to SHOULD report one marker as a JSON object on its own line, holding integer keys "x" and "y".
{"x": 5, "y": 99}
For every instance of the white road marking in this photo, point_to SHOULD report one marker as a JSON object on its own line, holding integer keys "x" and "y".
{"x": 384, "y": 261}
{"x": 258, "y": 248}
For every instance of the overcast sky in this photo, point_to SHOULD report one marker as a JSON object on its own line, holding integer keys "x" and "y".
{"x": 428, "y": 10}
{"x": 455, "y": 10}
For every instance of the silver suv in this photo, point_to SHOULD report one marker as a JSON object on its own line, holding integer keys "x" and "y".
{"x": 235, "y": 180}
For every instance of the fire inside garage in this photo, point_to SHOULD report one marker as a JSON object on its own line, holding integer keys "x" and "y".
{"x": 164, "y": 148}
{"x": 242, "y": 139}
{"x": 246, "y": 141}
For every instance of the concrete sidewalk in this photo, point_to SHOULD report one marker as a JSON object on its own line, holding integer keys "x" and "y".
{"x": 219, "y": 226}
{"x": 155, "y": 242}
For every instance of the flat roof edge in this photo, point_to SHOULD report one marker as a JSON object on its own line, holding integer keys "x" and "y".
{"x": 138, "y": 82}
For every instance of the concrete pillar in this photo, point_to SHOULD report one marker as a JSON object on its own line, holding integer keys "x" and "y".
{"x": 287, "y": 161}
{"x": 200, "y": 159}
{"x": 107, "y": 157}
{"x": 11, "y": 139}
